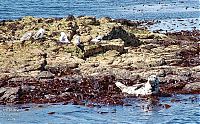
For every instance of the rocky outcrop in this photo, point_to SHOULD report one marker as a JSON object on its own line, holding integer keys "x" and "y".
{"x": 118, "y": 32}
{"x": 45, "y": 70}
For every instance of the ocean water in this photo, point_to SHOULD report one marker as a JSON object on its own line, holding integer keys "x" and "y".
{"x": 168, "y": 12}
{"x": 130, "y": 9}
{"x": 180, "y": 109}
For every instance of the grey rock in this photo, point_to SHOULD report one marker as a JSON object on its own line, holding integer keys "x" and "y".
{"x": 45, "y": 75}
{"x": 9, "y": 94}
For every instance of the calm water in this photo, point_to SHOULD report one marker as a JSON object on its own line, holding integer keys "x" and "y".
{"x": 186, "y": 110}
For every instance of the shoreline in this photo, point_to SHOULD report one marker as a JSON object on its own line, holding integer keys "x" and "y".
{"x": 130, "y": 55}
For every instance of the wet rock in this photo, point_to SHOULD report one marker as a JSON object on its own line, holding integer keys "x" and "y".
{"x": 51, "y": 113}
{"x": 70, "y": 18}
{"x": 127, "y": 22}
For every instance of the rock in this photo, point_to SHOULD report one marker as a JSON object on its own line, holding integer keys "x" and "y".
{"x": 70, "y": 18}
{"x": 192, "y": 87}
{"x": 45, "y": 75}
{"x": 116, "y": 44}
{"x": 127, "y": 22}
{"x": 86, "y": 20}
{"x": 86, "y": 39}
{"x": 9, "y": 94}
{"x": 119, "y": 32}
{"x": 104, "y": 20}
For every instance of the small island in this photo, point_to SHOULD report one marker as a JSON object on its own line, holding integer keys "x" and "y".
{"x": 47, "y": 71}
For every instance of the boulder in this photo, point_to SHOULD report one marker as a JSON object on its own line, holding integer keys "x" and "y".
{"x": 45, "y": 75}
{"x": 118, "y": 32}
{"x": 9, "y": 94}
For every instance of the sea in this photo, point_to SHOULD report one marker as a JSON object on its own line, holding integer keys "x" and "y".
{"x": 174, "y": 15}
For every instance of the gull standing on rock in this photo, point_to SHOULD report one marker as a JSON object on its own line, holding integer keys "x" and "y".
{"x": 149, "y": 88}
{"x": 97, "y": 39}
{"x": 63, "y": 38}
{"x": 26, "y": 36}
{"x": 39, "y": 34}
{"x": 77, "y": 40}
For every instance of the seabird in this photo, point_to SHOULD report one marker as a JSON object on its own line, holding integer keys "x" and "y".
{"x": 97, "y": 39}
{"x": 149, "y": 88}
{"x": 26, "y": 36}
{"x": 77, "y": 40}
{"x": 63, "y": 38}
{"x": 39, "y": 34}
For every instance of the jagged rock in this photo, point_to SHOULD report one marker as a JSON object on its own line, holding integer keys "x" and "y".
{"x": 9, "y": 94}
{"x": 119, "y": 32}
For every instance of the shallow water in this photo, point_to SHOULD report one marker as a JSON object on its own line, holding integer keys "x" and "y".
{"x": 185, "y": 109}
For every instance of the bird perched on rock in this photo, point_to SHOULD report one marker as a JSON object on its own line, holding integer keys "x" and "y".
{"x": 78, "y": 43}
{"x": 39, "y": 34}
{"x": 149, "y": 88}
{"x": 77, "y": 40}
{"x": 63, "y": 38}
{"x": 97, "y": 39}
{"x": 26, "y": 36}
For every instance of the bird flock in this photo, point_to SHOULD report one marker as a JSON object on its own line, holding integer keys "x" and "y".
{"x": 62, "y": 39}
{"x": 149, "y": 88}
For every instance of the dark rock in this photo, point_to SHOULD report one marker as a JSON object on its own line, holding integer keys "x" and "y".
{"x": 119, "y": 32}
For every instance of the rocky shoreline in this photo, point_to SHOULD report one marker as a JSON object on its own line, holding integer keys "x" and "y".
{"x": 46, "y": 71}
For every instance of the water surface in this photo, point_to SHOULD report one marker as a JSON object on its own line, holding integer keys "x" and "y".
{"x": 185, "y": 109}
{"x": 130, "y": 9}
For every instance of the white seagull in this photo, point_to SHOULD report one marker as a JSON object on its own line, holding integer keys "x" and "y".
{"x": 63, "y": 38}
{"x": 97, "y": 39}
{"x": 26, "y": 36}
{"x": 149, "y": 88}
{"x": 39, "y": 34}
{"x": 77, "y": 40}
